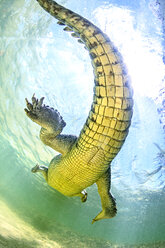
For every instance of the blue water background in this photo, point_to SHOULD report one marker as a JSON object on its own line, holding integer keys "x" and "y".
{"x": 37, "y": 56}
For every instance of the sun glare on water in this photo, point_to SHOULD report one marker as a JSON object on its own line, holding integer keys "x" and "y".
{"x": 141, "y": 52}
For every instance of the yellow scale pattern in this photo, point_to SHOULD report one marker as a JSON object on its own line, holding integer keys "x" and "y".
{"x": 110, "y": 116}
{"x": 111, "y": 112}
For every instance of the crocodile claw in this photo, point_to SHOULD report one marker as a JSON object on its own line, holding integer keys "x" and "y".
{"x": 29, "y": 105}
{"x": 43, "y": 115}
{"x": 41, "y": 102}
{"x": 35, "y": 168}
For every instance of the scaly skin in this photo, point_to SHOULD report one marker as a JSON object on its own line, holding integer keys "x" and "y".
{"x": 86, "y": 159}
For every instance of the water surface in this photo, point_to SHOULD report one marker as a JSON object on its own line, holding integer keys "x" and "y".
{"x": 37, "y": 56}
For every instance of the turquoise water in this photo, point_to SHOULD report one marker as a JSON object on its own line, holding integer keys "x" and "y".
{"x": 37, "y": 56}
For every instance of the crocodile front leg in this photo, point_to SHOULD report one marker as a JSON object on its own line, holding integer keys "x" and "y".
{"x": 52, "y": 125}
{"x": 46, "y": 117}
{"x": 107, "y": 201}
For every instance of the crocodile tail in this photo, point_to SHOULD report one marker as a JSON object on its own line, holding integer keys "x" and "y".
{"x": 110, "y": 116}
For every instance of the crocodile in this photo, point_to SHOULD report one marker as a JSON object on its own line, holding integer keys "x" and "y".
{"x": 85, "y": 160}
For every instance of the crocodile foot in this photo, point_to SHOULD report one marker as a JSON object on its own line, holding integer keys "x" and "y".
{"x": 39, "y": 168}
{"x": 45, "y": 116}
{"x": 106, "y": 213}
{"x": 35, "y": 168}
{"x": 84, "y": 196}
